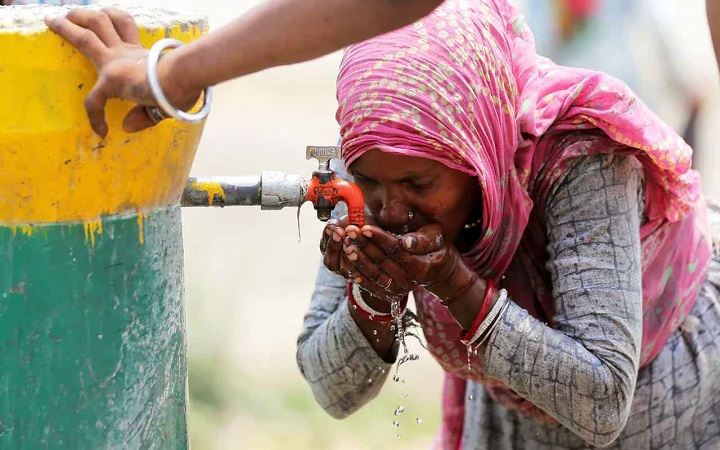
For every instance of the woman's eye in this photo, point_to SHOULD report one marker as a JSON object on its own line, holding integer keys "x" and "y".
{"x": 420, "y": 186}
{"x": 363, "y": 180}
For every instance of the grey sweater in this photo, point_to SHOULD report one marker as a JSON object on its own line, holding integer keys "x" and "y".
{"x": 584, "y": 372}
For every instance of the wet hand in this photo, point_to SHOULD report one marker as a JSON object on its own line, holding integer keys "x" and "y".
{"x": 110, "y": 39}
{"x": 390, "y": 266}
{"x": 331, "y": 246}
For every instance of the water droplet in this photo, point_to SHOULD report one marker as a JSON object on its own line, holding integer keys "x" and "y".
{"x": 418, "y": 421}
{"x": 100, "y": 336}
{"x": 398, "y": 436}
{"x": 404, "y": 394}
{"x": 354, "y": 306}
{"x": 399, "y": 410}
{"x": 471, "y": 397}
{"x": 374, "y": 332}
{"x": 406, "y": 228}
{"x": 396, "y": 424}
{"x": 396, "y": 378}
{"x": 369, "y": 381}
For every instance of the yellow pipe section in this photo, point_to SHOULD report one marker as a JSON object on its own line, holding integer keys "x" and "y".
{"x": 53, "y": 168}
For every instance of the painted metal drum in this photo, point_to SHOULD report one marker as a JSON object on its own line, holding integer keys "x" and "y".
{"x": 92, "y": 325}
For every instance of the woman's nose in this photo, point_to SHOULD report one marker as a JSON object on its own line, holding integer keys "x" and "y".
{"x": 394, "y": 213}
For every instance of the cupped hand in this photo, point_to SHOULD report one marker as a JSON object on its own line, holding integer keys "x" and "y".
{"x": 389, "y": 266}
{"x": 331, "y": 246}
{"x": 110, "y": 39}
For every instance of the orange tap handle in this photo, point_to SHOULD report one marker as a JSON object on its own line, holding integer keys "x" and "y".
{"x": 336, "y": 190}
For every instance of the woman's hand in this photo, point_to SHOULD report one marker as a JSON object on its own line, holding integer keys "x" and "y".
{"x": 389, "y": 266}
{"x": 331, "y": 245}
{"x": 110, "y": 39}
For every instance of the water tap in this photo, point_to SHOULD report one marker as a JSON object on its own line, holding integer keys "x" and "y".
{"x": 278, "y": 190}
{"x": 326, "y": 188}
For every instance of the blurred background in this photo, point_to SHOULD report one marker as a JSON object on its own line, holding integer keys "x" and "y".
{"x": 249, "y": 279}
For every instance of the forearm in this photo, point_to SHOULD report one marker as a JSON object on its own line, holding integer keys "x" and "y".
{"x": 280, "y": 32}
{"x": 587, "y": 388}
{"x": 583, "y": 372}
{"x": 342, "y": 368}
{"x": 380, "y": 335}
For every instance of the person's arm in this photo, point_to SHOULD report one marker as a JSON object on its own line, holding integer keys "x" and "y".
{"x": 343, "y": 370}
{"x": 583, "y": 373}
{"x": 335, "y": 353}
{"x": 713, "y": 14}
{"x": 278, "y": 32}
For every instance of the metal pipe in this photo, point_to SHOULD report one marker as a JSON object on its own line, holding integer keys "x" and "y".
{"x": 222, "y": 191}
{"x": 270, "y": 191}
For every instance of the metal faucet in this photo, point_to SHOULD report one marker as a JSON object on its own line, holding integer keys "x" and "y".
{"x": 277, "y": 190}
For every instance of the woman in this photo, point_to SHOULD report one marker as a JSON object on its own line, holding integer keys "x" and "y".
{"x": 552, "y": 233}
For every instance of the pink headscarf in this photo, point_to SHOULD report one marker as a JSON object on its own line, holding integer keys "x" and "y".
{"x": 465, "y": 87}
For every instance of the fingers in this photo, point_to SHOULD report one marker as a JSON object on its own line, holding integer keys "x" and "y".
{"x": 97, "y": 22}
{"x": 387, "y": 242}
{"x": 333, "y": 250}
{"x": 95, "y": 106}
{"x": 87, "y": 42}
{"x": 376, "y": 290}
{"x": 124, "y": 24}
{"x": 427, "y": 239}
{"x": 387, "y": 275}
{"x": 137, "y": 119}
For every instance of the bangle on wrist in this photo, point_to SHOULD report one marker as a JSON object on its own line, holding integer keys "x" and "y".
{"x": 479, "y": 333}
{"x": 164, "y": 104}
{"x": 358, "y": 304}
{"x": 482, "y": 312}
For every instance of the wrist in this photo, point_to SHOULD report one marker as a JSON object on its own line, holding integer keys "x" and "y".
{"x": 175, "y": 83}
{"x": 444, "y": 271}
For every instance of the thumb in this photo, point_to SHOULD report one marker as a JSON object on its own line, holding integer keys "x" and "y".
{"x": 428, "y": 239}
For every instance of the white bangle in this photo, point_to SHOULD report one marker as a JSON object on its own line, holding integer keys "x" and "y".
{"x": 488, "y": 320}
{"x": 357, "y": 294}
{"x": 153, "y": 57}
{"x": 494, "y": 325}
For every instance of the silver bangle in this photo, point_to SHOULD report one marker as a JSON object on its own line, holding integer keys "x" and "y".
{"x": 490, "y": 330}
{"x": 153, "y": 57}
{"x": 488, "y": 320}
{"x": 360, "y": 301}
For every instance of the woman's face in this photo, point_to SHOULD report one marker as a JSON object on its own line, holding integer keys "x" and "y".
{"x": 404, "y": 193}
